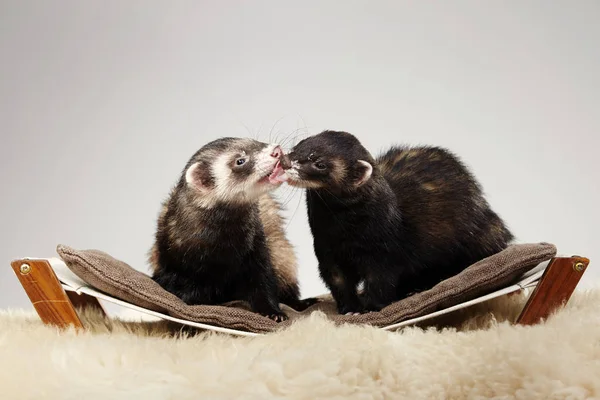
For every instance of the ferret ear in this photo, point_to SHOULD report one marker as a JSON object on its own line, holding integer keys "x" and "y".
{"x": 198, "y": 176}
{"x": 364, "y": 171}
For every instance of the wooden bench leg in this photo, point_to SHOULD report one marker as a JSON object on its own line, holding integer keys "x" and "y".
{"x": 46, "y": 293}
{"x": 554, "y": 289}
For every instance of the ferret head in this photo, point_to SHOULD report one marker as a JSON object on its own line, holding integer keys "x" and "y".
{"x": 235, "y": 170}
{"x": 330, "y": 160}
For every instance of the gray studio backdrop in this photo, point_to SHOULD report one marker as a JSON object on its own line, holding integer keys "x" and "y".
{"x": 103, "y": 102}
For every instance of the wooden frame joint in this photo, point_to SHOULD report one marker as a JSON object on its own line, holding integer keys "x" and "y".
{"x": 554, "y": 289}
{"x": 45, "y": 292}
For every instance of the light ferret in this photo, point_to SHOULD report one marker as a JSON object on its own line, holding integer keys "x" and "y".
{"x": 400, "y": 223}
{"x": 220, "y": 236}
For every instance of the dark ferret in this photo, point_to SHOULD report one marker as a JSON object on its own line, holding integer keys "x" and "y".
{"x": 220, "y": 236}
{"x": 400, "y": 223}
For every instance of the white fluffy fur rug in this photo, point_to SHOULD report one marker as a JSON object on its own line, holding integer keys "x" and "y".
{"x": 481, "y": 357}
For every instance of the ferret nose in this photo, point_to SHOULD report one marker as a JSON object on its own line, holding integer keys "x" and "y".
{"x": 277, "y": 152}
{"x": 286, "y": 163}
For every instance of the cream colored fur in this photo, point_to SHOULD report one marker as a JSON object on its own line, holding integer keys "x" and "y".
{"x": 483, "y": 357}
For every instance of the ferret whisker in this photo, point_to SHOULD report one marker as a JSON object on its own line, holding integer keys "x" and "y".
{"x": 292, "y": 194}
{"x": 247, "y": 129}
{"x": 287, "y": 138}
{"x": 300, "y": 135}
{"x": 295, "y": 210}
{"x": 273, "y": 127}
{"x": 276, "y": 140}
{"x": 305, "y": 129}
{"x": 304, "y": 122}
{"x": 259, "y": 132}
{"x": 288, "y": 195}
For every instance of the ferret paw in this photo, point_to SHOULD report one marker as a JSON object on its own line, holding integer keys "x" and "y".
{"x": 350, "y": 310}
{"x": 277, "y": 317}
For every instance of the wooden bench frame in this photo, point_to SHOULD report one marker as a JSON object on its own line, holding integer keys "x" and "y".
{"x": 55, "y": 306}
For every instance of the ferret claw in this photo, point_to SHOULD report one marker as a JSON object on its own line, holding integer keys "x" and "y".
{"x": 278, "y": 317}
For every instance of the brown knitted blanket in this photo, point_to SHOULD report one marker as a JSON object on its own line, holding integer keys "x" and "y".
{"x": 118, "y": 279}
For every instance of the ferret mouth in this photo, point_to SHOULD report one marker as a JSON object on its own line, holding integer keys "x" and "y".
{"x": 277, "y": 176}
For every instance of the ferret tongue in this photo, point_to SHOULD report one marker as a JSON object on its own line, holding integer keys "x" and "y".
{"x": 278, "y": 175}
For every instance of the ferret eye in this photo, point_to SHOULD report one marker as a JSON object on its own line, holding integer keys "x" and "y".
{"x": 240, "y": 161}
{"x": 320, "y": 165}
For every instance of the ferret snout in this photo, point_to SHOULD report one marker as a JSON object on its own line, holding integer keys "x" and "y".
{"x": 286, "y": 162}
{"x": 277, "y": 152}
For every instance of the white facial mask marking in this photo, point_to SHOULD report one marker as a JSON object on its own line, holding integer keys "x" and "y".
{"x": 226, "y": 188}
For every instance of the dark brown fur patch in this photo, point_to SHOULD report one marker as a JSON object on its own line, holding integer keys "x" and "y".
{"x": 440, "y": 197}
